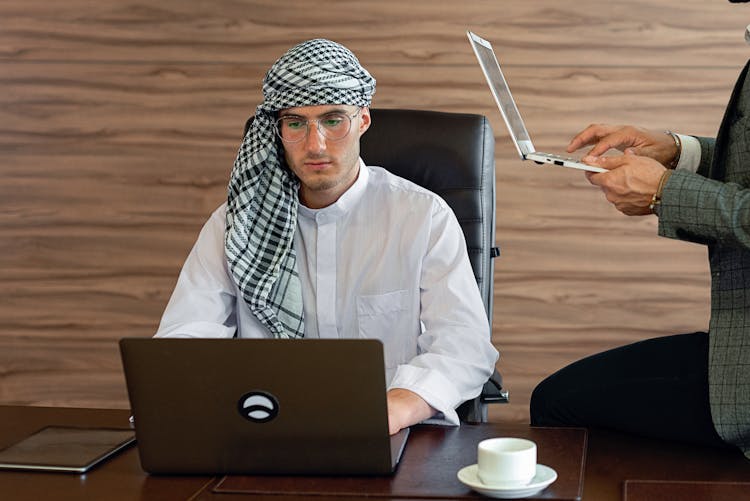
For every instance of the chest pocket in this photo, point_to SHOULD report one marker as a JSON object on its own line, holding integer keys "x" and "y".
{"x": 386, "y": 317}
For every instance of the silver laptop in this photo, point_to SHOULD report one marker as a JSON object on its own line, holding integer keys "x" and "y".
{"x": 260, "y": 406}
{"x": 501, "y": 92}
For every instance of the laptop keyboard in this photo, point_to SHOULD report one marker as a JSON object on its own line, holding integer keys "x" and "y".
{"x": 552, "y": 156}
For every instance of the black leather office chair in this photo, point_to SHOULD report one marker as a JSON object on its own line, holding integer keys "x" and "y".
{"x": 453, "y": 155}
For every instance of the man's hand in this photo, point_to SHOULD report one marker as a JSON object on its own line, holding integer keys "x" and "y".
{"x": 627, "y": 138}
{"x": 630, "y": 183}
{"x": 406, "y": 408}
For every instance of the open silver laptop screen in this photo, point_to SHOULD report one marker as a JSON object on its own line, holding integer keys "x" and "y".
{"x": 501, "y": 92}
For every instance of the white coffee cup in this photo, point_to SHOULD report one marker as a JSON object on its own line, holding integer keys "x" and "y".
{"x": 506, "y": 461}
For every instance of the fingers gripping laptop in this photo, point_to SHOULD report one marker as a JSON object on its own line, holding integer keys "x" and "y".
{"x": 516, "y": 128}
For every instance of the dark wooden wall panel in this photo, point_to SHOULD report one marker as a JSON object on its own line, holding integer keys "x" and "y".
{"x": 119, "y": 123}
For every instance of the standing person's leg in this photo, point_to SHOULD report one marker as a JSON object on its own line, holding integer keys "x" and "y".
{"x": 656, "y": 388}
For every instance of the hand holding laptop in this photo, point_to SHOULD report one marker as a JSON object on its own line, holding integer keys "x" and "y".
{"x": 635, "y": 179}
{"x": 658, "y": 145}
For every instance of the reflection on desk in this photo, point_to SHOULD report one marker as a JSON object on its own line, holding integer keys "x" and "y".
{"x": 429, "y": 466}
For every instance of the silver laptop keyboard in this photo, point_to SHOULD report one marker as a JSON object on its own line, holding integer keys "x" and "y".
{"x": 560, "y": 157}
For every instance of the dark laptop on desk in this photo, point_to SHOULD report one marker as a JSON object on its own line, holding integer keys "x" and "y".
{"x": 260, "y": 406}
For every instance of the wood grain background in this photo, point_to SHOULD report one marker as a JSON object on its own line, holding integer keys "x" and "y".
{"x": 119, "y": 123}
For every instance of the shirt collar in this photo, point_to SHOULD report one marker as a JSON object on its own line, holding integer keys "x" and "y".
{"x": 345, "y": 202}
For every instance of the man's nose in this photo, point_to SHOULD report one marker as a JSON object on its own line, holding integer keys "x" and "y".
{"x": 315, "y": 140}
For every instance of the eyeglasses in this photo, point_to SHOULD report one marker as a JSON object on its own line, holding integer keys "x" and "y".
{"x": 334, "y": 126}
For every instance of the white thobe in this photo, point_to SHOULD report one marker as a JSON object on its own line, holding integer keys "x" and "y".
{"x": 386, "y": 261}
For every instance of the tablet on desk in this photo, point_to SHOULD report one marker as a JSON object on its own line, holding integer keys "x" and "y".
{"x": 65, "y": 449}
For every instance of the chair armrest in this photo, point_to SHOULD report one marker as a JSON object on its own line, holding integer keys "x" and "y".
{"x": 475, "y": 410}
{"x": 492, "y": 391}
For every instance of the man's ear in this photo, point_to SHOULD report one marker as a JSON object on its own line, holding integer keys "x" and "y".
{"x": 365, "y": 120}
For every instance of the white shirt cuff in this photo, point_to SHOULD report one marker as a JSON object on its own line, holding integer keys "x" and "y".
{"x": 690, "y": 156}
{"x": 433, "y": 387}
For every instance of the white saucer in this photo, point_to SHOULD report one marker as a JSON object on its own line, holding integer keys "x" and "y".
{"x": 544, "y": 476}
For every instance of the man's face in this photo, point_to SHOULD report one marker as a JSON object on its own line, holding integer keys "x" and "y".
{"x": 326, "y": 167}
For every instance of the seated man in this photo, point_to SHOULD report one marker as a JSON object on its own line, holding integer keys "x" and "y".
{"x": 314, "y": 243}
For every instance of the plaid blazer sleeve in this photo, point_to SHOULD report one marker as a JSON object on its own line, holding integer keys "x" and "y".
{"x": 697, "y": 209}
{"x": 707, "y": 155}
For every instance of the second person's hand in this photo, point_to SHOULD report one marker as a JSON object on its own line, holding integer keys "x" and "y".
{"x": 630, "y": 182}
{"x": 658, "y": 145}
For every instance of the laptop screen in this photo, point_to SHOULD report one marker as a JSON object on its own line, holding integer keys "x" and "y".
{"x": 501, "y": 92}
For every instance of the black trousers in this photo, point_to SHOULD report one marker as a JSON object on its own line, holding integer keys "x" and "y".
{"x": 655, "y": 388}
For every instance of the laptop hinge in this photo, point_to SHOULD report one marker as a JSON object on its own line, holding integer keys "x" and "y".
{"x": 494, "y": 252}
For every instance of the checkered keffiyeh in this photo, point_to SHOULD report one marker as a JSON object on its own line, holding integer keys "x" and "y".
{"x": 263, "y": 192}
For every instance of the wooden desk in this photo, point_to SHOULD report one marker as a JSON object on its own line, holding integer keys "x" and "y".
{"x": 611, "y": 460}
{"x": 614, "y": 458}
{"x": 120, "y": 478}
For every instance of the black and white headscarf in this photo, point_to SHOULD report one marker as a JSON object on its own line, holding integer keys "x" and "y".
{"x": 263, "y": 192}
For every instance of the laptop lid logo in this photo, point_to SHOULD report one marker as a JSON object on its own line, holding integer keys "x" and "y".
{"x": 258, "y": 406}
